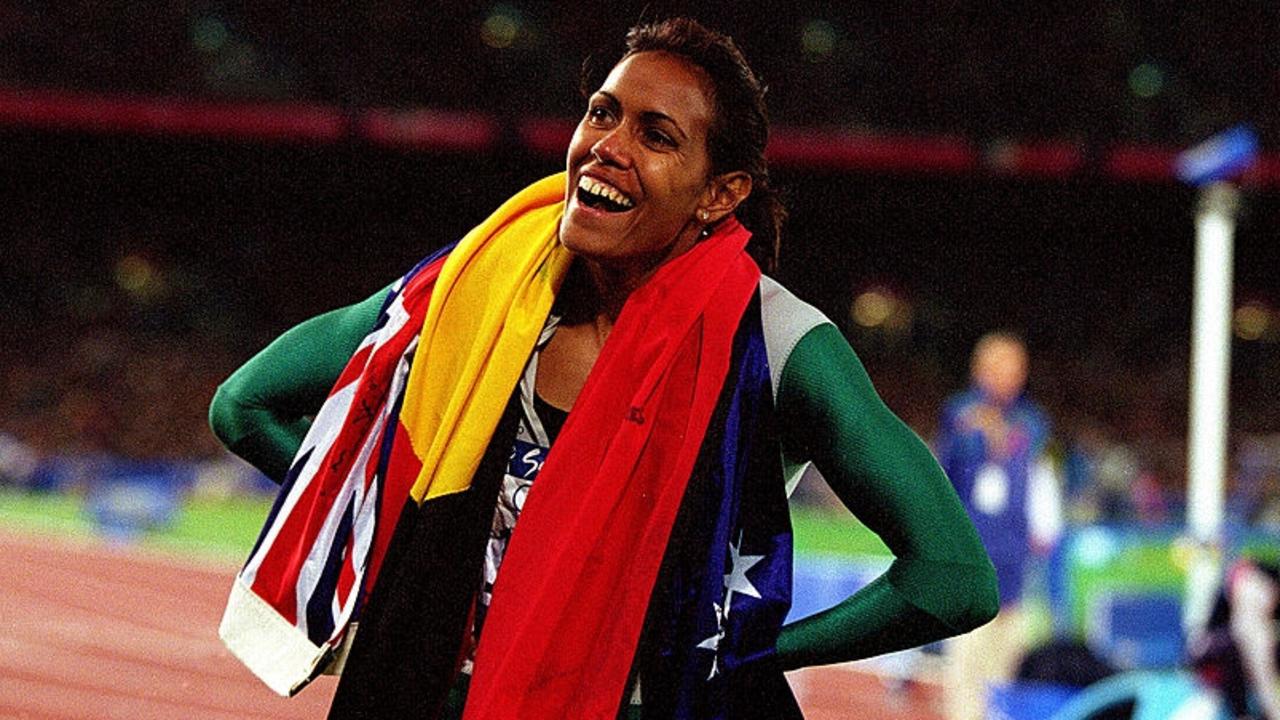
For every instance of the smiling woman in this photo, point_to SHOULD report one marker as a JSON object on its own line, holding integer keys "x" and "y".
{"x": 639, "y": 163}
{"x": 602, "y": 364}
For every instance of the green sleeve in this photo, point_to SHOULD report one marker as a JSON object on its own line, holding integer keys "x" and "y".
{"x": 941, "y": 582}
{"x": 262, "y": 411}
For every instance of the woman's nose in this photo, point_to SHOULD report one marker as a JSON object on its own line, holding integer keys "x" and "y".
{"x": 612, "y": 150}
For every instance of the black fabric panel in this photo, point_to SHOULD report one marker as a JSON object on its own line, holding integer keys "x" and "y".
{"x": 761, "y": 692}
{"x": 405, "y": 655}
{"x": 552, "y": 417}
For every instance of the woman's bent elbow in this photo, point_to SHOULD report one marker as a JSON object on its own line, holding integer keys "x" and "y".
{"x": 224, "y": 414}
{"x": 984, "y": 601}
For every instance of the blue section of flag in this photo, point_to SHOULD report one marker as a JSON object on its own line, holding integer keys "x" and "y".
{"x": 320, "y": 621}
{"x": 391, "y": 296}
{"x": 714, "y": 630}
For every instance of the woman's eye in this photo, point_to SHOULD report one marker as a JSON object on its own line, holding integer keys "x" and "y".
{"x": 598, "y": 114}
{"x": 657, "y": 137}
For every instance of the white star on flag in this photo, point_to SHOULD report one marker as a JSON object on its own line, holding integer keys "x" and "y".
{"x": 735, "y": 581}
{"x": 713, "y": 643}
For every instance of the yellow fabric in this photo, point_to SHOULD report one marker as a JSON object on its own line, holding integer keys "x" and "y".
{"x": 486, "y": 311}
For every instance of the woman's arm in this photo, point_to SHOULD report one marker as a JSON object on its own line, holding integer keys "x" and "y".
{"x": 262, "y": 411}
{"x": 1254, "y": 595}
{"x": 941, "y": 582}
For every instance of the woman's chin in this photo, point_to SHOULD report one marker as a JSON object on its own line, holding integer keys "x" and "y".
{"x": 585, "y": 243}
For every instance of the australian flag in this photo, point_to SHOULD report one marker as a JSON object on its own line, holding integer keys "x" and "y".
{"x": 725, "y": 586}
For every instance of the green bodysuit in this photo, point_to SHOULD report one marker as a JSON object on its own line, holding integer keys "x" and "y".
{"x": 940, "y": 582}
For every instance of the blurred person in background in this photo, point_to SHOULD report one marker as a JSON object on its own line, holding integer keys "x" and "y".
{"x": 1103, "y": 476}
{"x": 991, "y": 442}
{"x": 608, "y": 333}
{"x": 1237, "y": 651}
{"x": 18, "y": 461}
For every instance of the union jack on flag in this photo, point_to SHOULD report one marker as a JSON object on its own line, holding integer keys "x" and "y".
{"x": 329, "y": 529}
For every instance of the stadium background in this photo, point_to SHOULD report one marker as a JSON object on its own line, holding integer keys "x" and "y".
{"x": 181, "y": 181}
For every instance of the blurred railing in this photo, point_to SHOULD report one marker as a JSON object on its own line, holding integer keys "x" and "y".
{"x": 448, "y": 131}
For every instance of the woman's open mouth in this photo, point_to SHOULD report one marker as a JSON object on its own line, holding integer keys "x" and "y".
{"x": 602, "y": 196}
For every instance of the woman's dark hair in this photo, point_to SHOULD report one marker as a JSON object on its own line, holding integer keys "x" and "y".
{"x": 740, "y": 127}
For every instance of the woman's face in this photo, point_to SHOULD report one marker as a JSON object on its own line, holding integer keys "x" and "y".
{"x": 1000, "y": 368}
{"x": 638, "y": 167}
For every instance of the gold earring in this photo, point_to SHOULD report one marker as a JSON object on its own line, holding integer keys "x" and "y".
{"x": 704, "y": 215}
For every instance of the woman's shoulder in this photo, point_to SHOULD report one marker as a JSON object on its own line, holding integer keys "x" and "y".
{"x": 784, "y": 308}
{"x": 785, "y": 320}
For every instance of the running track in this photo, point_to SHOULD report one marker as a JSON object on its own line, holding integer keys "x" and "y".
{"x": 90, "y": 631}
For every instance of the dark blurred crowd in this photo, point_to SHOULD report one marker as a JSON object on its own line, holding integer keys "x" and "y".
{"x": 120, "y": 352}
{"x": 141, "y": 270}
{"x": 107, "y": 369}
{"x": 1101, "y": 70}
{"x": 115, "y": 391}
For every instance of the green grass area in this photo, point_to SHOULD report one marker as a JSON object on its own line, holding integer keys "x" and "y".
{"x": 1103, "y": 563}
{"x": 227, "y": 527}
{"x": 214, "y": 528}
{"x": 217, "y": 526}
{"x": 831, "y": 532}
{"x": 41, "y": 512}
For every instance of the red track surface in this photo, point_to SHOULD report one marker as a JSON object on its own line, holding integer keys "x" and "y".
{"x": 89, "y": 631}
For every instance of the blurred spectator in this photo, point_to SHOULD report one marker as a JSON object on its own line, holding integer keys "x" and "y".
{"x": 1237, "y": 651}
{"x": 991, "y": 442}
{"x": 18, "y": 461}
{"x": 1258, "y": 481}
{"x": 102, "y": 367}
{"x": 1066, "y": 662}
{"x": 1109, "y": 481}
{"x": 1101, "y": 476}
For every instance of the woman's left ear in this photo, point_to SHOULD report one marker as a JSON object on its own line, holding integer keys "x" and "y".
{"x": 724, "y": 193}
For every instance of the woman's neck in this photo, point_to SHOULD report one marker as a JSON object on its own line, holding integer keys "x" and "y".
{"x": 594, "y": 293}
{"x": 597, "y": 290}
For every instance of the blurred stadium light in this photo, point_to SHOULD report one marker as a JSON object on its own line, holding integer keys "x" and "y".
{"x": 1222, "y": 157}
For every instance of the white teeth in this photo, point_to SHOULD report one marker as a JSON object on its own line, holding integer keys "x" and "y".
{"x": 595, "y": 187}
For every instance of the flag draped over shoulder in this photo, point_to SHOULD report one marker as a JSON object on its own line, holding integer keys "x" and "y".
{"x": 725, "y": 585}
{"x": 414, "y": 412}
{"x": 571, "y": 597}
{"x": 410, "y": 414}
